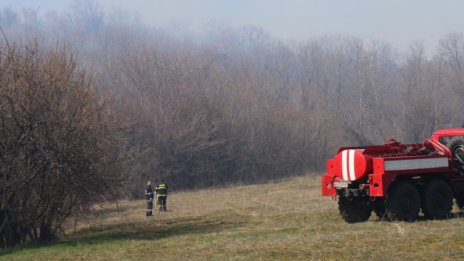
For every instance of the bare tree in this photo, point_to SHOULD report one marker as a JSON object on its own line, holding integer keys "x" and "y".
{"x": 451, "y": 48}
{"x": 58, "y": 150}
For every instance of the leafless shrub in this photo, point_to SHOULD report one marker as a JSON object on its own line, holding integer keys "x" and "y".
{"x": 58, "y": 151}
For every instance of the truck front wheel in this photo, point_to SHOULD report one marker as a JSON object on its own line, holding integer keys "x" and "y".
{"x": 437, "y": 199}
{"x": 403, "y": 202}
{"x": 354, "y": 210}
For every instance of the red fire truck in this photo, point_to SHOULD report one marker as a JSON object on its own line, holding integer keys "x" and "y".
{"x": 397, "y": 181}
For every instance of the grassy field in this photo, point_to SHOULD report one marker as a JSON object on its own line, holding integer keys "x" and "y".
{"x": 286, "y": 220}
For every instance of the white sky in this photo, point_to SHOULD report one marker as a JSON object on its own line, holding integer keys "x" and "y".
{"x": 399, "y": 22}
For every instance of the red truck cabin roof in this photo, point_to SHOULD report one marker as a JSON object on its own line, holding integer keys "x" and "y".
{"x": 447, "y": 133}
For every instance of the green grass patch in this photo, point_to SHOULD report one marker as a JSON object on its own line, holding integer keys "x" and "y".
{"x": 277, "y": 221}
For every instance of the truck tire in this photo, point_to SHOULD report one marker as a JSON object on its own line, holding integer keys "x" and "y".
{"x": 458, "y": 192}
{"x": 378, "y": 206}
{"x": 354, "y": 210}
{"x": 460, "y": 201}
{"x": 456, "y": 147}
{"x": 403, "y": 202}
{"x": 437, "y": 199}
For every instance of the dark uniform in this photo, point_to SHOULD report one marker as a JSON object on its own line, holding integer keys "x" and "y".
{"x": 162, "y": 195}
{"x": 149, "y": 195}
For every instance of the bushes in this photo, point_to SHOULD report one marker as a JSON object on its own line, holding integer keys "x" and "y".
{"x": 57, "y": 148}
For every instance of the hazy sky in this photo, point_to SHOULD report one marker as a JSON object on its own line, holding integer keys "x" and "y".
{"x": 398, "y": 22}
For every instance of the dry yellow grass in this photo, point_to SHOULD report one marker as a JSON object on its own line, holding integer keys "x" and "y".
{"x": 286, "y": 220}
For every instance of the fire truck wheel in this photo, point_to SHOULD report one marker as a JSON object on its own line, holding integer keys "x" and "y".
{"x": 456, "y": 147}
{"x": 460, "y": 201}
{"x": 403, "y": 202}
{"x": 354, "y": 210}
{"x": 437, "y": 199}
{"x": 459, "y": 195}
{"x": 378, "y": 206}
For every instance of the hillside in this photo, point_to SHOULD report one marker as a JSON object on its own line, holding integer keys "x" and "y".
{"x": 286, "y": 220}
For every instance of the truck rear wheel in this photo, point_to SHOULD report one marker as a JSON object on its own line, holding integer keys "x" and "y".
{"x": 403, "y": 202}
{"x": 354, "y": 210}
{"x": 437, "y": 199}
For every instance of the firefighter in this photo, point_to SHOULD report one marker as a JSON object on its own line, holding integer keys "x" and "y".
{"x": 162, "y": 195}
{"x": 149, "y": 195}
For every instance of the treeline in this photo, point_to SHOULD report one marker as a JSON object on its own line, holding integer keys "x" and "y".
{"x": 205, "y": 109}
{"x": 237, "y": 105}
